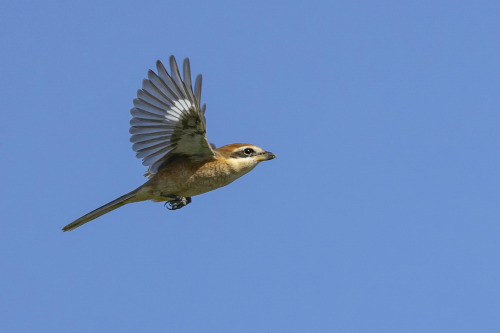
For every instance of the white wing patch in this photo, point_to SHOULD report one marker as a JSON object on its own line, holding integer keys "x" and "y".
{"x": 167, "y": 120}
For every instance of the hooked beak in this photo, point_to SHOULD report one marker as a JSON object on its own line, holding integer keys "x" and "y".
{"x": 265, "y": 156}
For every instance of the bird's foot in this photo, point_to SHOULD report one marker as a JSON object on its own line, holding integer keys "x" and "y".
{"x": 178, "y": 202}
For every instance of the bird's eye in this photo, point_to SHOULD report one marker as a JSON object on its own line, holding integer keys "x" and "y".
{"x": 248, "y": 151}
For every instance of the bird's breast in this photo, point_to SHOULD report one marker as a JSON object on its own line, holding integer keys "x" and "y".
{"x": 208, "y": 177}
{"x": 186, "y": 178}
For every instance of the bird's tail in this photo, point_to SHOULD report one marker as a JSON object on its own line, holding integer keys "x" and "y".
{"x": 123, "y": 200}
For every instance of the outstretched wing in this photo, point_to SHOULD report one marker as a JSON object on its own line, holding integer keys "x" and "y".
{"x": 167, "y": 119}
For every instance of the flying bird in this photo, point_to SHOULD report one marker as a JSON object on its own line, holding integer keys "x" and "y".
{"x": 168, "y": 131}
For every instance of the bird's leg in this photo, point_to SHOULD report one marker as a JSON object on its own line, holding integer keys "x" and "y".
{"x": 178, "y": 202}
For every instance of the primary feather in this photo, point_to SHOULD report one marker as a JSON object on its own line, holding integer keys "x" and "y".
{"x": 167, "y": 120}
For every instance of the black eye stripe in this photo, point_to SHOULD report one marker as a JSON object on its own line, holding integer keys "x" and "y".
{"x": 247, "y": 152}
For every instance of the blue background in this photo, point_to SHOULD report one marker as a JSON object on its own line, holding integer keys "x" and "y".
{"x": 381, "y": 213}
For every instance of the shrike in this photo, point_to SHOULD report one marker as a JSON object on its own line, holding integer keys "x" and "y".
{"x": 168, "y": 132}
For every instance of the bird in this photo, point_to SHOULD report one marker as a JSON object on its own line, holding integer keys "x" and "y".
{"x": 168, "y": 132}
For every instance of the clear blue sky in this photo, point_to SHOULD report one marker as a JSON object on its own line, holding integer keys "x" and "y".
{"x": 381, "y": 213}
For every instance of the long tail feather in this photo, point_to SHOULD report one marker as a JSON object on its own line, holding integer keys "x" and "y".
{"x": 123, "y": 200}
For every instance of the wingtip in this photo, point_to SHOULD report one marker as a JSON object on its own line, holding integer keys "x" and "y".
{"x": 160, "y": 67}
{"x": 173, "y": 62}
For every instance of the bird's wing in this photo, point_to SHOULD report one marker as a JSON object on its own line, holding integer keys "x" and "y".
{"x": 167, "y": 119}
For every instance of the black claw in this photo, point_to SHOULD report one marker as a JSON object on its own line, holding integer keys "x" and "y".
{"x": 177, "y": 203}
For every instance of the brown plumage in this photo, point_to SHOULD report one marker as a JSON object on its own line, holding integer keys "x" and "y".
{"x": 169, "y": 133}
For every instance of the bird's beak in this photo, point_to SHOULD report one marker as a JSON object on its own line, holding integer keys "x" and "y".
{"x": 266, "y": 156}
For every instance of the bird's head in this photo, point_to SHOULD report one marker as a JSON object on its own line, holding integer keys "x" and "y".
{"x": 243, "y": 157}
